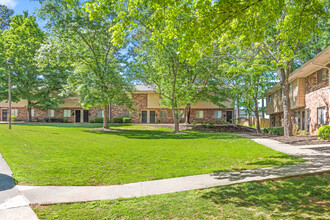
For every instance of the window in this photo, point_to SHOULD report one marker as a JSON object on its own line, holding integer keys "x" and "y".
{"x": 51, "y": 113}
{"x": 32, "y": 113}
{"x": 321, "y": 115}
{"x": 100, "y": 113}
{"x": 199, "y": 114}
{"x": 269, "y": 99}
{"x": 163, "y": 114}
{"x": 297, "y": 118}
{"x": 67, "y": 113}
{"x": 125, "y": 114}
{"x": 14, "y": 112}
{"x": 217, "y": 114}
{"x": 321, "y": 75}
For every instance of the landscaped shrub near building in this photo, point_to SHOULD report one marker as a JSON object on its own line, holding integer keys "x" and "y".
{"x": 265, "y": 130}
{"x": 13, "y": 118}
{"x": 127, "y": 120}
{"x": 223, "y": 122}
{"x": 65, "y": 120}
{"x": 324, "y": 132}
{"x": 204, "y": 124}
{"x": 92, "y": 121}
{"x": 55, "y": 120}
{"x": 277, "y": 131}
{"x": 194, "y": 122}
{"x": 118, "y": 120}
{"x": 210, "y": 125}
{"x": 98, "y": 120}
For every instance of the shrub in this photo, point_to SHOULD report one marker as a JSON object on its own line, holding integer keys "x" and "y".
{"x": 277, "y": 131}
{"x": 92, "y": 121}
{"x": 194, "y": 122}
{"x": 118, "y": 120}
{"x": 204, "y": 124}
{"x": 324, "y": 132}
{"x": 158, "y": 121}
{"x": 223, "y": 122}
{"x": 210, "y": 125}
{"x": 265, "y": 130}
{"x": 13, "y": 118}
{"x": 55, "y": 119}
{"x": 65, "y": 120}
{"x": 127, "y": 120}
{"x": 46, "y": 119}
{"x": 98, "y": 120}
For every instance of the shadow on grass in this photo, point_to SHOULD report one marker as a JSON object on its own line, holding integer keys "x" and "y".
{"x": 304, "y": 197}
{"x": 152, "y": 134}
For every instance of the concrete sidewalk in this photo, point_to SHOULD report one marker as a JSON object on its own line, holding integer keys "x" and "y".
{"x": 13, "y": 205}
{"x": 15, "y": 199}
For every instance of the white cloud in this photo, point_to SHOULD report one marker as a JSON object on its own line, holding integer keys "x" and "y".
{"x": 8, "y": 3}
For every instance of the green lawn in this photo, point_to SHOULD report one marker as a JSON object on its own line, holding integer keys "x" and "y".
{"x": 62, "y": 154}
{"x": 295, "y": 198}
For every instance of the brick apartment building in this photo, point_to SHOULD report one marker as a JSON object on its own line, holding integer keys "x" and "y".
{"x": 146, "y": 105}
{"x": 309, "y": 91}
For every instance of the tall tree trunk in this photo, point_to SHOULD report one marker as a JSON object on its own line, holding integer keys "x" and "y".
{"x": 249, "y": 120}
{"x": 256, "y": 112}
{"x": 176, "y": 120}
{"x": 286, "y": 101}
{"x": 29, "y": 111}
{"x": 188, "y": 114}
{"x": 263, "y": 105}
{"x": 237, "y": 112}
{"x": 105, "y": 117}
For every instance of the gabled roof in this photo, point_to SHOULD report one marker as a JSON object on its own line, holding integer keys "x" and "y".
{"x": 320, "y": 61}
{"x": 144, "y": 88}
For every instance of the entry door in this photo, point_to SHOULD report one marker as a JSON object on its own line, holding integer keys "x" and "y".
{"x": 77, "y": 113}
{"x": 229, "y": 116}
{"x": 144, "y": 117}
{"x": 4, "y": 115}
{"x": 152, "y": 117}
{"x": 86, "y": 114}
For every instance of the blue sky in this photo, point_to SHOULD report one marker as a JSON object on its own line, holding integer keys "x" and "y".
{"x": 20, "y": 5}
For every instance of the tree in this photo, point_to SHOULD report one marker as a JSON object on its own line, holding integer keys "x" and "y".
{"x": 97, "y": 76}
{"x": 21, "y": 43}
{"x": 277, "y": 33}
{"x": 5, "y": 14}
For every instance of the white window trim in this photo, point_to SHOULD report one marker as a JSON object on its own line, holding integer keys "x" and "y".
{"x": 66, "y": 115}
{"x": 197, "y": 114}
{"x": 51, "y": 113}
{"x": 164, "y": 114}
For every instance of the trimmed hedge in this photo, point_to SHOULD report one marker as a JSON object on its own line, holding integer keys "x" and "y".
{"x": 277, "y": 131}
{"x": 98, "y": 120}
{"x": 118, "y": 120}
{"x": 324, "y": 132}
{"x": 127, "y": 120}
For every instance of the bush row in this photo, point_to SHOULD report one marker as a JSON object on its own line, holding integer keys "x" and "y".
{"x": 62, "y": 120}
{"x": 274, "y": 130}
{"x": 115, "y": 120}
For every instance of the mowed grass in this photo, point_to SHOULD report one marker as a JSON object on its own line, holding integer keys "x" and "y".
{"x": 296, "y": 198}
{"x": 66, "y": 154}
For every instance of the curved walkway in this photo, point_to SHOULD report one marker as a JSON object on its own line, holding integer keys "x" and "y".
{"x": 15, "y": 200}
